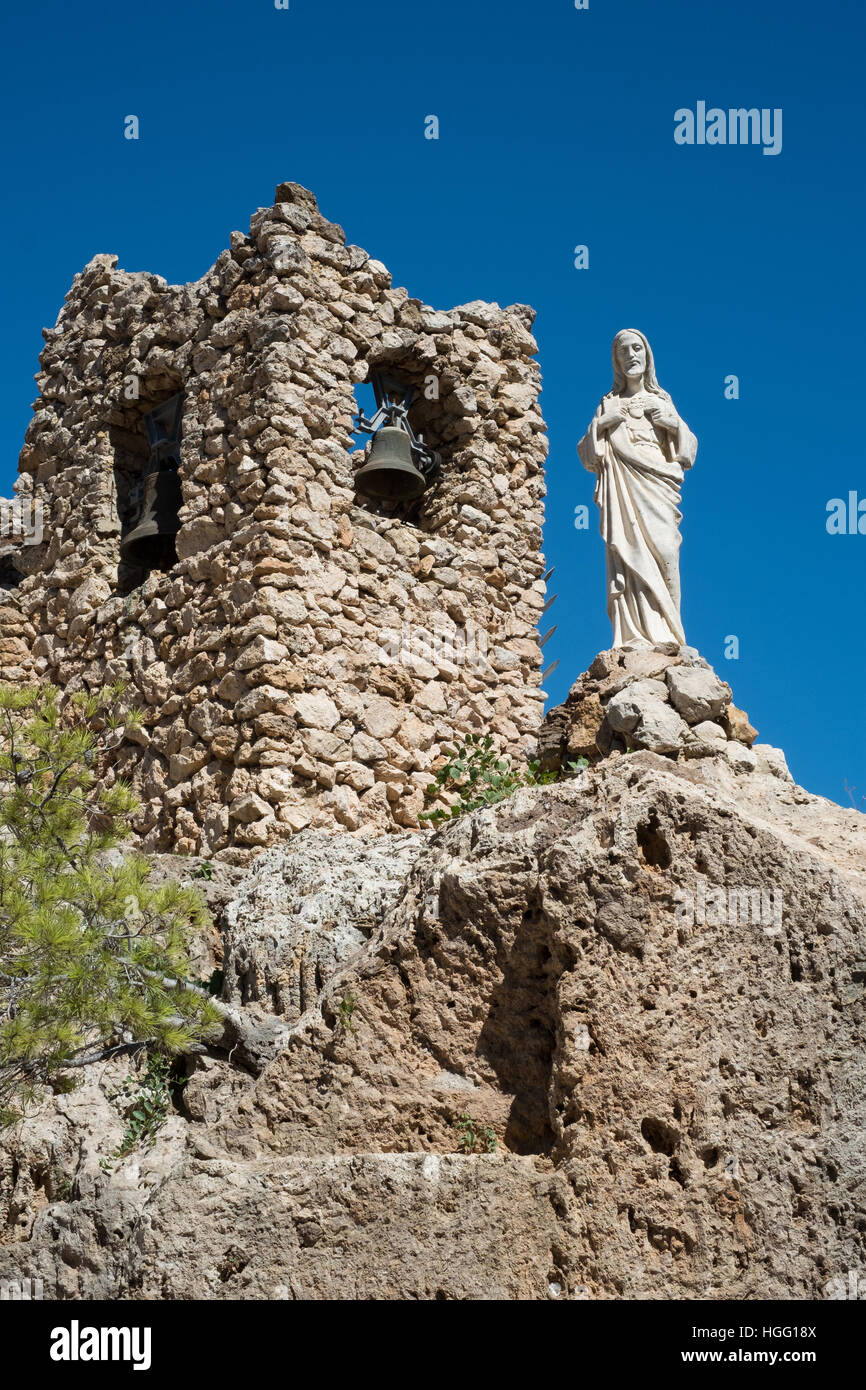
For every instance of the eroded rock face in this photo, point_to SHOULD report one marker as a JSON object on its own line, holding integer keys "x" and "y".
{"x": 301, "y": 911}
{"x": 645, "y": 983}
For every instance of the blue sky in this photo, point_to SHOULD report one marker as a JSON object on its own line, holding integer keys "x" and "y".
{"x": 556, "y": 129}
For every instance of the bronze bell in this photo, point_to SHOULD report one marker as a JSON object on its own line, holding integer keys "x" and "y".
{"x": 389, "y": 473}
{"x": 151, "y": 545}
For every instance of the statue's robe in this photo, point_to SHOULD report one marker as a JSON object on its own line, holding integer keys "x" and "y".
{"x": 639, "y": 469}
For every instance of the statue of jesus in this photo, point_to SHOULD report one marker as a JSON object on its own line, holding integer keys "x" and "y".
{"x": 638, "y": 447}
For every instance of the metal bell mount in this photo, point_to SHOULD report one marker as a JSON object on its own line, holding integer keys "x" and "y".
{"x": 398, "y": 465}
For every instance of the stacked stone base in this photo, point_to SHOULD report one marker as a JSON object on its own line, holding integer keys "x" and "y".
{"x": 666, "y": 699}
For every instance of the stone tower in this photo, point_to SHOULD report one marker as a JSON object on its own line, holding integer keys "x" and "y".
{"x": 309, "y": 654}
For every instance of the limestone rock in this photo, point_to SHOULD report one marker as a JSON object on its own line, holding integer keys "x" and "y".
{"x": 708, "y": 730}
{"x": 88, "y": 596}
{"x": 584, "y": 730}
{"x": 659, "y": 728}
{"x": 641, "y": 983}
{"x": 626, "y": 709}
{"x": 302, "y": 910}
{"x": 737, "y": 724}
{"x": 197, "y": 535}
{"x": 697, "y": 694}
{"x": 381, "y": 718}
{"x": 328, "y": 1211}
{"x": 648, "y": 721}
{"x": 316, "y": 710}
{"x": 772, "y": 760}
{"x": 741, "y": 758}
{"x": 249, "y": 808}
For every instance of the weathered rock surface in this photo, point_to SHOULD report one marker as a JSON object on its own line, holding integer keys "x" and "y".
{"x": 697, "y": 693}
{"x": 305, "y": 909}
{"x": 673, "y": 1073}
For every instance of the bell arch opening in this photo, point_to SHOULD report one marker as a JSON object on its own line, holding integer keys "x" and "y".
{"x": 434, "y": 415}
{"x": 147, "y": 481}
{"x": 10, "y": 576}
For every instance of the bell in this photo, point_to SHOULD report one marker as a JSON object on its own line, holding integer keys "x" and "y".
{"x": 151, "y": 545}
{"x": 389, "y": 473}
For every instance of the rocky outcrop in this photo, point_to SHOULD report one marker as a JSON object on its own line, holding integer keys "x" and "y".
{"x": 644, "y": 985}
{"x": 666, "y": 699}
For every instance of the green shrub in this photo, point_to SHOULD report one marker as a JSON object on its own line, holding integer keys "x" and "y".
{"x": 93, "y": 961}
{"x": 147, "y": 1103}
{"x": 478, "y": 777}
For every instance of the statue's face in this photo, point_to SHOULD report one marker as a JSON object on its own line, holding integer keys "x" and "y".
{"x": 631, "y": 355}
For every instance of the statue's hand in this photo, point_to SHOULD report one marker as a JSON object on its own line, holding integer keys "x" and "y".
{"x": 614, "y": 415}
{"x": 664, "y": 416}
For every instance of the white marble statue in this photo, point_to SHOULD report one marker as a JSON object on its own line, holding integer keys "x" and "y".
{"x": 638, "y": 447}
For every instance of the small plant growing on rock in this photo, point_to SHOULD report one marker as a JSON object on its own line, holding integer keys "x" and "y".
{"x": 60, "y": 1185}
{"x": 346, "y": 1011}
{"x": 147, "y": 1103}
{"x": 476, "y": 775}
{"x": 473, "y": 1138}
{"x": 93, "y": 961}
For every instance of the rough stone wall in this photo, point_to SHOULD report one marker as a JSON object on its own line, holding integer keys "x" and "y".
{"x": 285, "y": 664}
